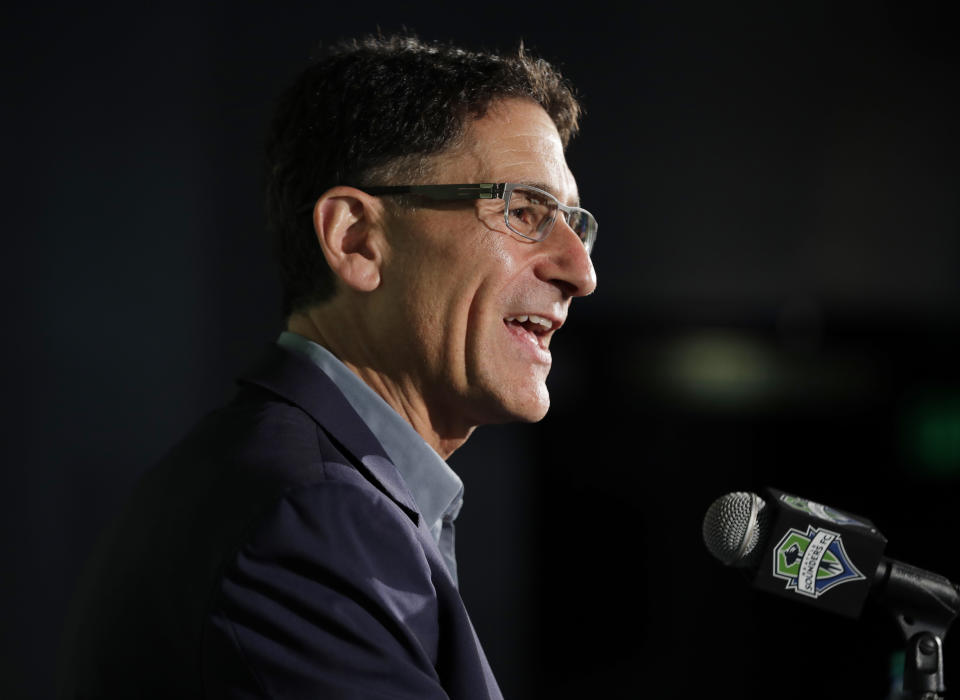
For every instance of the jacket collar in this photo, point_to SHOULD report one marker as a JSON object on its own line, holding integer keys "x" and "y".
{"x": 297, "y": 380}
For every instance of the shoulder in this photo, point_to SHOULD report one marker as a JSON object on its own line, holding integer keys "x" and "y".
{"x": 333, "y": 582}
{"x": 344, "y": 526}
{"x": 311, "y": 517}
{"x": 258, "y": 526}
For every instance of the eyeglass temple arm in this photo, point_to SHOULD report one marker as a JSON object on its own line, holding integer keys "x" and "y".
{"x": 486, "y": 190}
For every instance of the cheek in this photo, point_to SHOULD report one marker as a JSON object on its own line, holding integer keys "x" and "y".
{"x": 498, "y": 261}
{"x": 459, "y": 286}
{"x": 494, "y": 286}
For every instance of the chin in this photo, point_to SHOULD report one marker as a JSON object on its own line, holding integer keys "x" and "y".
{"x": 510, "y": 397}
{"x": 529, "y": 407}
{"x": 534, "y": 416}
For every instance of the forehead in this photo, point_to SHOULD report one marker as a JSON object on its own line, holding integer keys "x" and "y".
{"x": 515, "y": 141}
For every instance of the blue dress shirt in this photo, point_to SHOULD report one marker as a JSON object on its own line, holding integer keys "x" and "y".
{"x": 435, "y": 487}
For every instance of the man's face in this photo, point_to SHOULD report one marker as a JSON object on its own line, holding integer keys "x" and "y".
{"x": 457, "y": 290}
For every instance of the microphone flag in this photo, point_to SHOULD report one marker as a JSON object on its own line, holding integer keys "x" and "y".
{"x": 817, "y": 554}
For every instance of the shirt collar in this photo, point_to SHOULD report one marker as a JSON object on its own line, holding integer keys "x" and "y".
{"x": 435, "y": 487}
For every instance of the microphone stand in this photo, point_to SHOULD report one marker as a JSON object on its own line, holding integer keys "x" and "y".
{"x": 924, "y": 604}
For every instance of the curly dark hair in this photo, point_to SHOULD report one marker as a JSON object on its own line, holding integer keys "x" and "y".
{"x": 368, "y": 112}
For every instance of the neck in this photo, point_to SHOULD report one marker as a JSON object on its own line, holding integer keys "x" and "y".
{"x": 398, "y": 388}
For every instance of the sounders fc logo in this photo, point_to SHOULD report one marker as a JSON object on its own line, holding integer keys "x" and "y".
{"x": 813, "y": 562}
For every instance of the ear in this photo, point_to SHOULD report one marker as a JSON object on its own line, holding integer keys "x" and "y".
{"x": 347, "y": 222}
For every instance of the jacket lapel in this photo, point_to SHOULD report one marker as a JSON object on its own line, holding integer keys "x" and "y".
{"x": 300, "y": 382}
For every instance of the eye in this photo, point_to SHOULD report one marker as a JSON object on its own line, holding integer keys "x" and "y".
{"x": 528, "y": 211}
{"x": 523, "y": 215}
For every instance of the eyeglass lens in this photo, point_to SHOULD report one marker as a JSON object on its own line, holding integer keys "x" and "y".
{"x": 532, "y": 214}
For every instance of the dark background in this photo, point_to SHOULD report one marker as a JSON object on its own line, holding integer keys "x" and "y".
{"x": 779, "y": 250}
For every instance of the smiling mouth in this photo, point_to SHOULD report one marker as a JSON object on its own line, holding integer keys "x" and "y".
{"x": 536, "y": 329}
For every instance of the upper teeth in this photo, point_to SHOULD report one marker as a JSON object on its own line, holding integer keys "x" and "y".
{"x": 533, "y": 319}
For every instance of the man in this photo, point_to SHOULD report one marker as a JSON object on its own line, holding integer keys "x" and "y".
{"x": 298, "y": 543}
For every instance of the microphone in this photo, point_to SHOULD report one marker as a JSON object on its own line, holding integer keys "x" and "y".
{"x": 825, "y": 557}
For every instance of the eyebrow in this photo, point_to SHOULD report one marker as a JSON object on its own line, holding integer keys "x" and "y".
{"x": 547, "y": 188}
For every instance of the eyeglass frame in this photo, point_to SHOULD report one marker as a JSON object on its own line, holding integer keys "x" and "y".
{"x": 490, "y": 190}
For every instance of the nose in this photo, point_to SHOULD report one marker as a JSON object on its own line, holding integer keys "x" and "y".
{"x": 565, "y": 262}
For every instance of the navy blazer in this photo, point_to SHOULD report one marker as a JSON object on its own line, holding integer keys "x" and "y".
{"x": 274, "y": 553}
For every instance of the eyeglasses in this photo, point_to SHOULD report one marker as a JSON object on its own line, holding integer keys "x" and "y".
{"x": 528, "y": 211}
